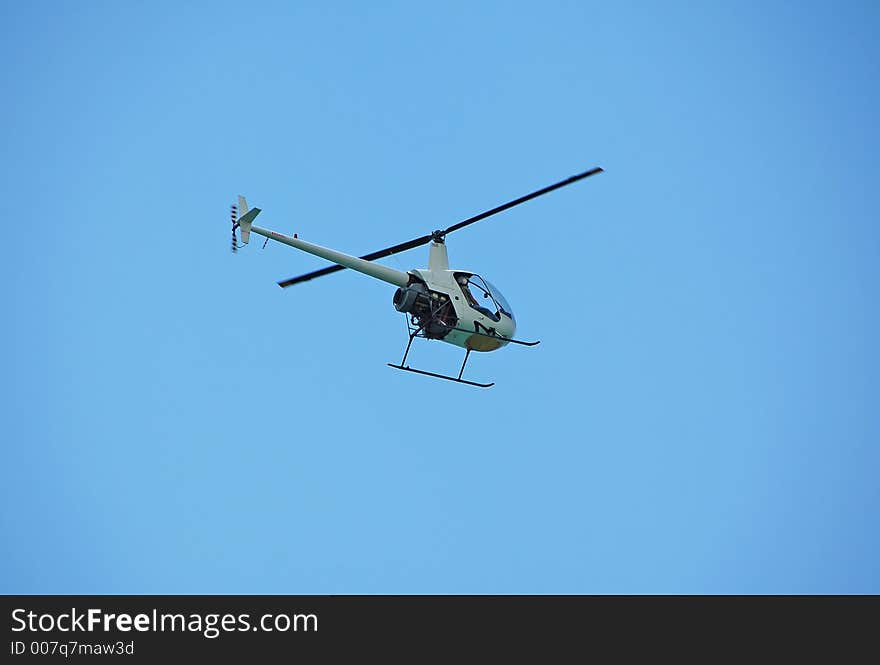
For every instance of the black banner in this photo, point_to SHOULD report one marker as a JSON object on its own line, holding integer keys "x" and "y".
{"x": 155, "y": 628}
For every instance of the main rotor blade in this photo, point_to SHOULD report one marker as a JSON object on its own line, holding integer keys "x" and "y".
{"x": 381, "y": 254}
{"x": 522, "y": 199}
{"x": 424, "y": 240}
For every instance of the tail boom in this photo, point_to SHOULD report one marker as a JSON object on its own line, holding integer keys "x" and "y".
{"x": 386, "y": 274}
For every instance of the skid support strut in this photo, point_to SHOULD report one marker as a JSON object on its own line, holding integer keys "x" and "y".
{"x": 403, "y": 366}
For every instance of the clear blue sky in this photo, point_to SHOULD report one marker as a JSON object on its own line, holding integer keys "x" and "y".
{"x": 701, "y": 417}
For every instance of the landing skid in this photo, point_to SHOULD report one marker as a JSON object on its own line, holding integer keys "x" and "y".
{"x": 419, "y": 331}
{"x": 442, "y": 376}
{"x": 415, "y": 332}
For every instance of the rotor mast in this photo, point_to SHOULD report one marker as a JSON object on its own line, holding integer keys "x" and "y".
{"x": 438, "y": 259}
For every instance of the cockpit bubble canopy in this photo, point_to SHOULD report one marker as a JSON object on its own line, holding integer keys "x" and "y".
{"x": 484, "y": 296}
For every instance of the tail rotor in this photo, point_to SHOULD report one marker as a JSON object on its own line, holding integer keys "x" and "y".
{"x": 242, "y": 219}
{"x": 233, "y": 213}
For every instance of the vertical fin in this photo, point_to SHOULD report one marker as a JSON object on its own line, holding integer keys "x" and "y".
{"x": 245, "y": 219}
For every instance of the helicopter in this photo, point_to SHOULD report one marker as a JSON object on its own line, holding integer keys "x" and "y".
{"x": 459, "y": 307}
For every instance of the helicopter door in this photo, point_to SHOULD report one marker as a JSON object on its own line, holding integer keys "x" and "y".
{"x": 477, "y": 294}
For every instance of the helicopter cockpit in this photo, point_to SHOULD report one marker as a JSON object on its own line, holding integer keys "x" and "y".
{"x": 483, "y": 296}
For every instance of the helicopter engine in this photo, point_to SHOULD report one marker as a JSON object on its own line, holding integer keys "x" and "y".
{"x": 432, "y": 311}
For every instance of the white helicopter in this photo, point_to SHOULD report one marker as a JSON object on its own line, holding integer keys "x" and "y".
{"x": 439, "y": 303}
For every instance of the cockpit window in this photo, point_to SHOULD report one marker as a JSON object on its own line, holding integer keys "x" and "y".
{"x": 499, "y": 299}
{"x": 483, "y": 297}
